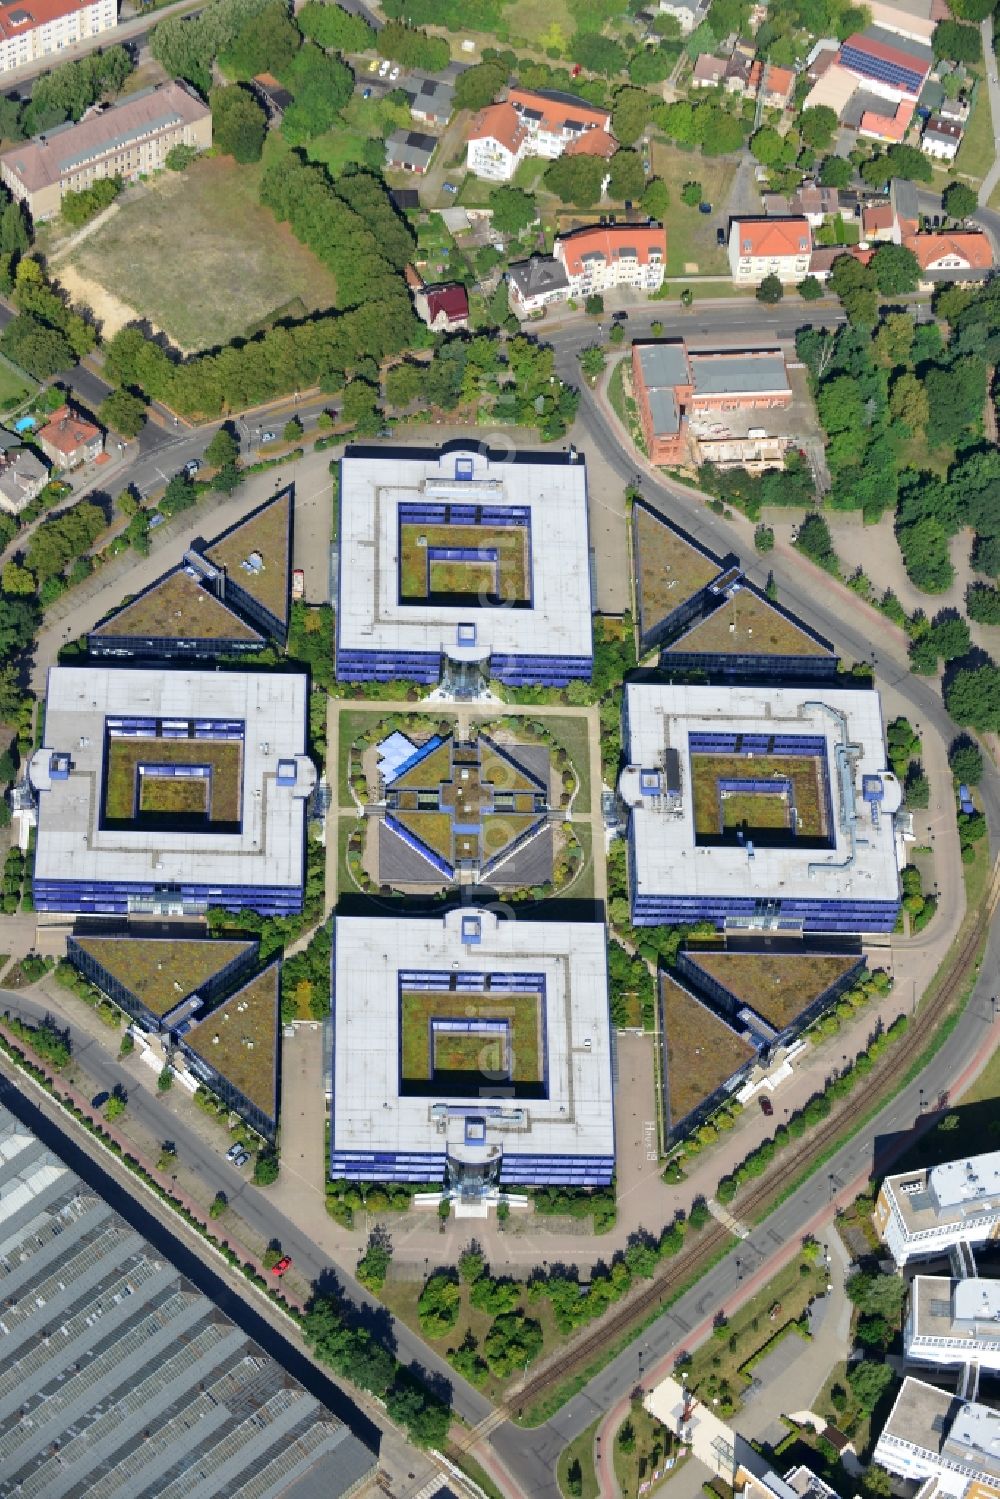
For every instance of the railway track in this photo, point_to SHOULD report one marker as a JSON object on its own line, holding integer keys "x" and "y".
{"x": 761, "y": 1195}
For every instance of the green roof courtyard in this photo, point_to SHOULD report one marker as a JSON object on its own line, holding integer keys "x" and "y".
{"x": 778, "y": 986}
{"x": 747, "y": 624}
{"x": 703, "y": 1052}
{"x": 161, "y": 972}
{"x": 267, "y": 534}
{"x": 240, "y": 1039}
{"x": 670, "y": 570}
{"x": 178, "y": 608}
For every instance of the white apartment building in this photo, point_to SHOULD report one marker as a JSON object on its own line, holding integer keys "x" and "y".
{"x": 934, "y": 1434}
{"x": 951, "y": 1322}
{"x": 31, "y": 30}
{"x": 769, "y": 247}
{"x": 596, "y": 259}
{"x": 527, "y": 123}
{"x": 923, "y": 1213}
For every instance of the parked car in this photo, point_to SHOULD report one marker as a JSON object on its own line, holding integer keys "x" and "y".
{"x": 233, "y": 1151}
{"x": 268, "y": 437}
{"x": 394, "y": 75}
{"x": 384, "y": 69}
{"x": 240, "y": 1160}
{"x": 704, "y": 208}
{"x": 282, "y": 1265}
{"x": 450, "y": 187}
{"x": 373, "y": 65}
{"x": 766, "y": 1106}
{"x": 191, "y": 467}
{"x": 298, "y": 583}
{"x": 99, "y": 1100}
{"x": 366, "y": 93}
{"x": 576, "y": 70}
{"x": 619, "y": 317}
{"x": 720, "y": 237}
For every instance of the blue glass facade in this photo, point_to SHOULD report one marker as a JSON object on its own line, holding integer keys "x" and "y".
{"x": 425, "y": 666}
{"x": 722, "y": 667}
{"x": 120, "y": 898}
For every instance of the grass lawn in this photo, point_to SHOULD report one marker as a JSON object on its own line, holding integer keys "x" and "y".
{"x": 976, "y": 153}
{"x": 624, "y": 404}
{"x": 531, "y": 171}
{"x": 719, "y": 1367}
{"x": 506, "y": 577}
{"x": 652, "y": 1443}
{"x": 138, "y": 258}
{"x": 690, "y": 234}
{"x": 917, "y": 453}
{"x": 573, "y": 735}
{"x": 350, "y": 723}
{"x": 986, "y": 1088}
{"x": 529, "y": 22}
{"x": 14, "y": 387}
{"x": 580, "y": 1450}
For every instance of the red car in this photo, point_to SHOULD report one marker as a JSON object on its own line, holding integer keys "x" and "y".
{"x": 767, "y": 1107}
{"x": 281, "y": 1266}
{"x": 577, "y": 70}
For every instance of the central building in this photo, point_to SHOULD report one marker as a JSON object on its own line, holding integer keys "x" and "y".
{"x": 472, "y": 1050}
{"x": 457, "y": 565}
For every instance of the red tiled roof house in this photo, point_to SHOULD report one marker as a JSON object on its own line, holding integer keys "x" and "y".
{"x": 527, "y": 123}
{"x": 445, "y": 309}
{"x": 609, "y": 255}
{"x": 769, "y": 247}
{"x": 68, "y": 440}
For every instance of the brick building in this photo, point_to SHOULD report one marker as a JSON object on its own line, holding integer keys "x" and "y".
{"x": 671, "y": 384}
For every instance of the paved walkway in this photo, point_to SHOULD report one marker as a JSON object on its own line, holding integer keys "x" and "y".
{"x": 993, "y": 175}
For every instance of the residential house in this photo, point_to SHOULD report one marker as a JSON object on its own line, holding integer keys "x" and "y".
{"x": 952, "y": 255}
{"x": 688, "y": 14}
{"x": 431, "y": 100}
{"x": 23, "y": 476}
{"x": 671, "y": 385}
{"x": 891, "y": 65}
{"x": 38, "y": 30}
{"x": 607, "y": 256}
{"x": 941, "y": 138}
{"x": 957, "y": 110}
{"x": 129, "y": 139}
{"x": 881, "y": 124}
{"x": 68, "y": 439}
{"x": 533, "y": 284}
{"x": 777, "y": 86}
{"x": 410, "y": 151}
{"x": 817, "y": 203}
{"x": 740, "y": 69}
{"x": 905, "y": 208}
{"x": 877, "y": 222}
{"x": 445, "y": 308}
{"x": 708, "y": 71}
{"x": 532, "y": 123}
{"x": 765, "y": 247}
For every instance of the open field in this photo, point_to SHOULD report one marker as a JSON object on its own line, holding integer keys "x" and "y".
{"x": 777, "y": 985}
{"x": 702, "y": 1051}
{"x": 803, "y": 771}
{"x": 691, "y": 246}
{"x": 975, "y": 154}
{"x": 138, "y": 264}
{"x": 529, "y": 22}
{"x": 500, "y": 568}
{"x": 225, "y": 756}
{"x": 521, "y": 1011}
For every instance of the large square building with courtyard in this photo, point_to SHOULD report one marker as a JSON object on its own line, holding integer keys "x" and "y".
{"x": 759, "y": 807}
{"x": 167, "y": 792}
{"x": 473, "y": 1050}
{"x": 463, "y": 565}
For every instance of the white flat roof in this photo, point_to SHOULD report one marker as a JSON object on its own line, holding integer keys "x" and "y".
{"x": 576, "y": 1119}
{"x": 955, "y": 1184}
{"x": 553, "y": 486}
{"x": 266, "y": 850}
{"x": 667, "y": 858}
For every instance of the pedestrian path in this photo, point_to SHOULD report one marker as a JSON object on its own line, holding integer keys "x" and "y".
{"x": 722, "y": 1215}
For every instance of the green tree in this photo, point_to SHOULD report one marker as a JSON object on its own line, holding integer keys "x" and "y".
{"x": 656, "y": 199}
{"x": 876, "y": 1294}
{"x": 896, "y": 269}
{"x": 972, "y": 696}
{"x": 630, "y": 114}
{"x": 817, "y": 125}
{"x": 292, "y": 430}
{"x": 770, "y": 290}
{"x": 966, "y": 761}
{"x": 982, "y": 603}
{"x": 165, "y": 1080}
{"x": 835, "y": 171}
{"x": 763, "y": 538}
{"x": 959, "y": 200}
{"x": 512, "y": 1342}
{"x": 321, "y": 84}
{"x": 265, "y": 1167}
{"x": 337, "y": 30}
{"x": 404, "y": 382}
{"x": 476, "y": 86}
{"x": 115, "y": 1106}
{"x": 599, "y": 54}
{"x": 908, "y": 402}
{"x": 223, "y": 449}
{"x": 691, "y": 194}
{"x": 771, "y": 148}
{"x": 810, "y": 289}
{"x": 513, "y": 209}
{"x": 956, "y": 42}
{"x": 238, "y": 123}
{"x": 594, "y": 304}
{"x": 219, "y": 1204}
{"x": 425, "y": 1419}
{"x": 869, "y": 1381}
{"x": 373, "y": 1266}
{"x": 627, "y": 177}
{"x": 412, "y": 48}
{"x": 592, "y": 361}
{"x": 266, "y": 42}
{"x": 123, "y": 413}
{"x": 575, "y": 179}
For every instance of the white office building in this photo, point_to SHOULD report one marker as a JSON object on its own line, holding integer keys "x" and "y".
{"x": 951, "y": 1322}
{"x": 167, "y": 792}
{"x": 924, "y": 1213}
{"x": 933, "y": 1434}
{"x": 463, "y": 563}
{"x": 472, "y": 1050}
{"x": 759, "y": 807}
